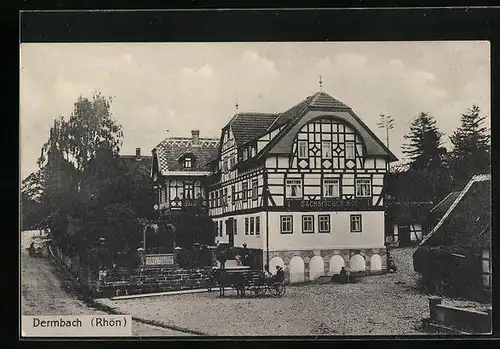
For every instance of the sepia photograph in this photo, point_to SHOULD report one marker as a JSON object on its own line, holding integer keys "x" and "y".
{"x": 240, "y": 189}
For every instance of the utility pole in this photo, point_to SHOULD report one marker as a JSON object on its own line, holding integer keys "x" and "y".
{"x": 386, "y": 122}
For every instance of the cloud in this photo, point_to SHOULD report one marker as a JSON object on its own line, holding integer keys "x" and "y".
{"x": 255, "y": 61}
{"x": 350, "y": 60}
{"x": 205, "y": 71}
{"x": 127, "y": 57}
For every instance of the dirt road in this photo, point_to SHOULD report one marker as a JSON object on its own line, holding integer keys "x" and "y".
{"x": 44, "y": 291}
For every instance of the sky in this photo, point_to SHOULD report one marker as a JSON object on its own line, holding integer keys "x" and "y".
{"x": 178, "y": 87}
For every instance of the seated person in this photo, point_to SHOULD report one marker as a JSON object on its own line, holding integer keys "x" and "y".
{"x": 267, "y": 276}
{"x": 238, "y": 260}
{"x": 280, "y": 274}
{"x": 391, "y": 265}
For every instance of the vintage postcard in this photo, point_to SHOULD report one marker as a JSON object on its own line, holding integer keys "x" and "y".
{"x": 255, "y": 189}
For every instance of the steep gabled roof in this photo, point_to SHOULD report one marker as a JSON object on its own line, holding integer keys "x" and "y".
{"x": 249, "y": 126}
{"x": 322, "y": 102}
{"x": 440, "y": 209}
{"x": 468, "y": 217}
{"x": 170, "y": 150}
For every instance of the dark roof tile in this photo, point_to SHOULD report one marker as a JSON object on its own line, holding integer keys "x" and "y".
{"x": 170, "y": 151}
{"x": 249, "y": 126}
{"x": 440, "y": 209}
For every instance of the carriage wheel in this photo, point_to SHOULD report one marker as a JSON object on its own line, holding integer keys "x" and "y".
{"x": 277, "y": 289}
{"x": 259, "y": 290}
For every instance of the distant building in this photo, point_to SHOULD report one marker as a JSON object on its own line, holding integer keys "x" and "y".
{"x": 407, "y": 223}
{"x": 457, "y": 250}
{"x": 138, "y": 158}
{"x": 306, "y": 186}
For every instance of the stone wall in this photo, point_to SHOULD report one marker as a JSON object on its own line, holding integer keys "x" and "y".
{"x": 118, "y": 282}
{"x": 308, "y": 265}
{"x": 459, "y": 320}
{"x": 151, "y": 280}
{"x": 87, "y": 278}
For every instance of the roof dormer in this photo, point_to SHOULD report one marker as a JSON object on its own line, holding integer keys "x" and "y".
{"x": 187, "y": 160}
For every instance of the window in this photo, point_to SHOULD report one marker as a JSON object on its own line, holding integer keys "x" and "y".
{"x": 221, "y": 199}
{"x": 233, "y": 194}
{"x": 331, "y": 188}
{"x": 221, "y": 227}
{"x": 349, "y": 151}
{"x": 232, "y": 162}
{"x": 224, "y": 165}
{"x": 355, "y": 223}
{"x": 307, "y": 224}
{"x": 235, "y": 227}
{"x": 326, "y": 149}
{"x": 245, "y": 154}
{"x": 255, "y": 184}
{"x": 253, "y": 149}
{"x": 286, "y": 225}
{"x": 363, "y": 187}
{"x": 188, "y": 191}
{"x": 324, "y": 223}
{"x": 211, "y": 200}
{"x": 162, "y": 194}
{"x": 294, "y": 188}
{"x": 246, "y": 226}
{"x": 225, "y": 197}
{"x": 244, "y": 188}
{"x": 187, "y": 162}
{"x": 302, "y": 149}
{"x": 252, "y": 225}
{"x": 257, "y": 225}
{"x": 215, "y": 228}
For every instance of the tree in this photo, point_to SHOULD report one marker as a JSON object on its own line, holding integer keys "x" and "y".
{"x": 31, "y": 208}
{"x": 69, "y": 161}
{"x": 428, "y": 178}
{"x": 471, "y": 146}
{"x": 424, "y": 147}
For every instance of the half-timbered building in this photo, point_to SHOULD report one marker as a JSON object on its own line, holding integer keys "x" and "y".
{"x": 179, "y": 172}
{"x": 306, "y": 186}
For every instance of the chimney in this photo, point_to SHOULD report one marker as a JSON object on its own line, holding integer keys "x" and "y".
{"x": 138, "y": 154}
{"x": 195, "y": 137}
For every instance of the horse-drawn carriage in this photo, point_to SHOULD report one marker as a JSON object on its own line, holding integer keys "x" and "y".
{"x": 38, "y": 246}
{"x": 244, "y": 279}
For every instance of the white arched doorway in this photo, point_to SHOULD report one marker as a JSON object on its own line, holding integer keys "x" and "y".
{"x": 275, "y": 261}
{"x": 375, "y": 263}
{"x": 316, "y": 267}
{"x": 296, "y": 269}
{"x": 357, "y": 263}
{"x": 336, "y": 264}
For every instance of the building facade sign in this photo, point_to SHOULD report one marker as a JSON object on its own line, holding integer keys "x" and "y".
{"x": 159, "y": 259}
{"x": 327, "y": 205}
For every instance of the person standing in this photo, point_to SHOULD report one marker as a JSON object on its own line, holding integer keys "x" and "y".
{"x": 343, "y": 276}
{"x": 245, "y": 254}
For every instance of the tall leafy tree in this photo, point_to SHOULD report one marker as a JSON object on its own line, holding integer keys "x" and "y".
{"x": 471, "y": 146}
{"x": 88, "y": 135}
